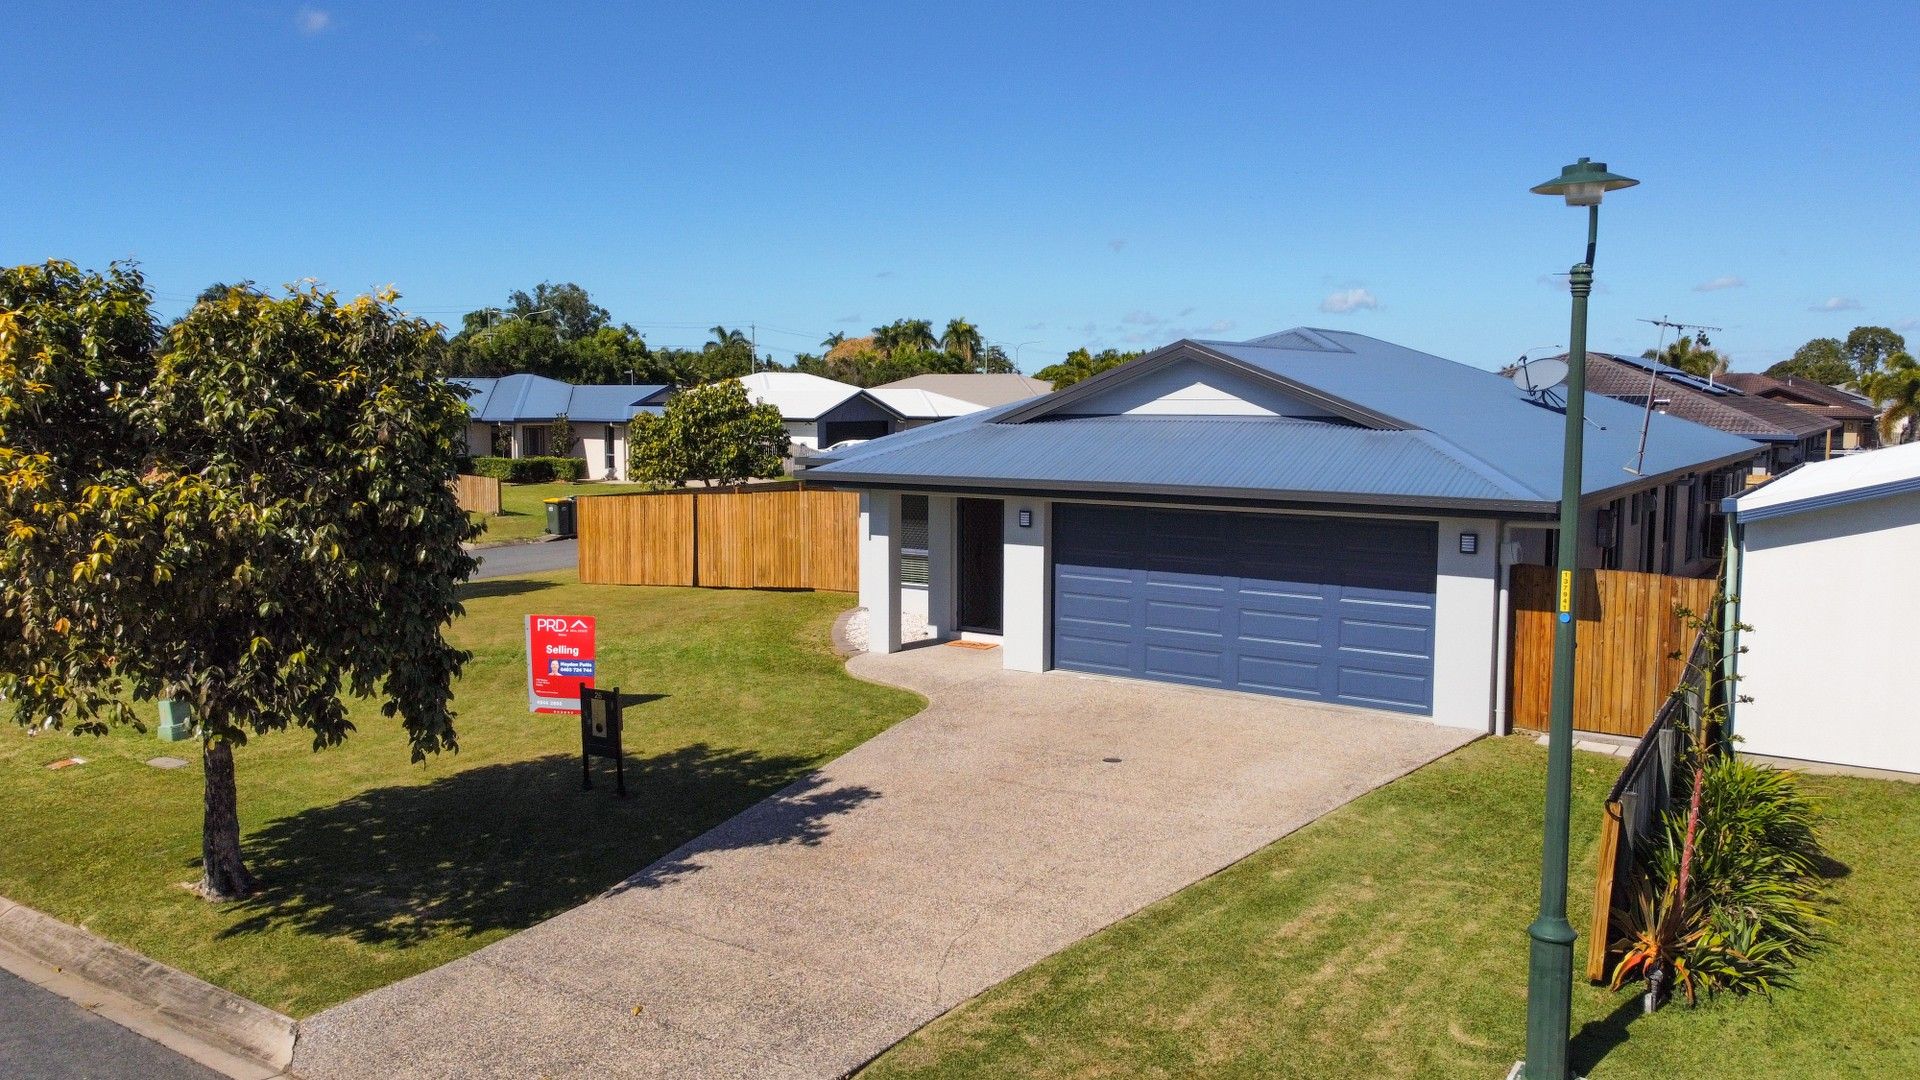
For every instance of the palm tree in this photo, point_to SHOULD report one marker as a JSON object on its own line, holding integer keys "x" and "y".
{"x": 723, "y": 337}
{"x": 917, "y": 334}
{"x": 831, "y": 341}
{"x": 1895, "y": 388}
{"x": 962, "y": 339}
{"x": 1694, "y": 355}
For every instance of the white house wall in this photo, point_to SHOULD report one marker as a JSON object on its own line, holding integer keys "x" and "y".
{"x": 1830, "y": 656}
{"x": 1190, "y": 388}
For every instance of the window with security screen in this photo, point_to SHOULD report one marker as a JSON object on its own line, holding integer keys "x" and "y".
{"x": 913, "y": 539}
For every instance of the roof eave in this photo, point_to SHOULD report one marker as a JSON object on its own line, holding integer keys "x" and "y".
{"x": 1069, "y": 489}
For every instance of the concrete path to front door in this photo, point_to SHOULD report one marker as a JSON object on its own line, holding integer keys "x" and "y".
{"x": 1016, "y": 815}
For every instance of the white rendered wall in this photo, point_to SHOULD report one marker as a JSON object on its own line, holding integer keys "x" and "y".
{"x": 1190, "y": 388}
{"x": 479, "y": 440}
{"x": 1831, "y": 595}
{"x": 880, "y": 569}
{"x": 1466, "y": 626}
{"x": 803, "y": 433}
{"x": 1026, "y": 630}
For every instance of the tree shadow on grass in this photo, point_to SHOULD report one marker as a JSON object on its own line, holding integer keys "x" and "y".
{"x": 501, "y": 847}
{"x": 505, "y": 586}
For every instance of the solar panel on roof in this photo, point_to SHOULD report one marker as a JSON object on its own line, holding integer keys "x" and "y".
{"x": 1674, "y": 374}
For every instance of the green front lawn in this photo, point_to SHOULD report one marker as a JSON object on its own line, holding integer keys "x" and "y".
{"x": 1388, "y": 939}
{"x": 376, "y": 868}
{"x": 523, "y": 510}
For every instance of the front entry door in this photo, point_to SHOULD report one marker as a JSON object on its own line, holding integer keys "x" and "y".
{"x": 980, "y": 564}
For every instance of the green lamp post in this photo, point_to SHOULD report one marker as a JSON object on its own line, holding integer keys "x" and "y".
{"x": 1550, "y": 966}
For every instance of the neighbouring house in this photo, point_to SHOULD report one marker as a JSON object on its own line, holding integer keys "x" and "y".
{"x": 1313, "y": 514}
{"x": 1857, "y": 416}
{"x": 983, "y": 390}
{"x": 1821, "y": 566}
{"x": 821, "y": 412}
{"x": 516, "y": 413}
{"x": 1791, "y": 435}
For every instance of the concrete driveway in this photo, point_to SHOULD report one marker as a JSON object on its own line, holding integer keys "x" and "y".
{"x": 1016, "y": 815}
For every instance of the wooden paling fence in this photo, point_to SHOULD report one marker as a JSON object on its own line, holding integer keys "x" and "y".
{"x": 797, "y": 538}
{"x": 1628, "y": 640}
{"x": 1642, "y": 794}
{"x": 477, "y": 494}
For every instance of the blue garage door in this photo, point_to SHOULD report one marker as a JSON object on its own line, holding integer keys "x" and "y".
{"x": 1331, "y": 609}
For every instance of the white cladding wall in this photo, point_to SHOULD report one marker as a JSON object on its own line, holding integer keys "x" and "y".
{"x": 593, "y": 448}
{"x": 1466, "y": 624}
{"x": 1194, "y": 389}
{"x": 1830, "y": 595}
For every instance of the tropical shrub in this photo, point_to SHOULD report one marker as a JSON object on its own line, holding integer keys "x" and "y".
{"x": 1733, "y": 906}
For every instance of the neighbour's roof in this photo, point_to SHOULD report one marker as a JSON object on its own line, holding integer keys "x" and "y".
{"x": 1408, "y": 429}
{"x": 1875, "y": 474}
{"x": 523, "y": 398}
{"x": 980, "y": 389}
{"x": 1832, "y": 401}
{"x": 1701, "y": 400}
{"x": 798, "y": 395}
{"x": 913, "y": 403}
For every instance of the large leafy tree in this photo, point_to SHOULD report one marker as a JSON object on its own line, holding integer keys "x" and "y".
{"x": 248, "y": 513}
{"x": 1843, "y": 363}
{"x": 714, "y": 433}
{"x": 558, "y": 331}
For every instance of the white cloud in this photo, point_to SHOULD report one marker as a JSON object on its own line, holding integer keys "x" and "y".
{"x": 1219, "y": 327}
{"x": 1725, "y": 281}
{"x": 1348, "y": 301}
{"x": 313, "y": 20}
{"x": 1836, "y": 303}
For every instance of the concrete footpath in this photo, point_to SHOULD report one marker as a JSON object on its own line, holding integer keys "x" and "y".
{"x": 1016, "y": 815}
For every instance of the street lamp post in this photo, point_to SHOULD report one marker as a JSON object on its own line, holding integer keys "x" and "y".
{"x": 1550, "y": 964}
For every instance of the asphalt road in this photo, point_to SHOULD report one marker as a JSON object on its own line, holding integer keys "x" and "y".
{"x": 511, "y": 560}
{"x": 50, "y": 1038}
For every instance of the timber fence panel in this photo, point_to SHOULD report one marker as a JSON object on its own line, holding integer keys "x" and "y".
{"x": 477, "y": 494}
{"x": 787, "y": 539}
{"x": 1628, "y": 641}
{"x": 636, "y": 540}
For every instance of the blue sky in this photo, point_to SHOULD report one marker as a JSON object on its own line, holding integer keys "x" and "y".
{"x": 1061, "y": 175}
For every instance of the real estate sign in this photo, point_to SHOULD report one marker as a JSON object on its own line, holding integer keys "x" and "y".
{"x": 559, "y": 661}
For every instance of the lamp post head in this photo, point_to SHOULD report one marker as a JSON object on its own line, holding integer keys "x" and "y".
{"x": 1584, "y": 182}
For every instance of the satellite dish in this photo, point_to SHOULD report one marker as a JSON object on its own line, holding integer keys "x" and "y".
{"x": 1536, "y": 377}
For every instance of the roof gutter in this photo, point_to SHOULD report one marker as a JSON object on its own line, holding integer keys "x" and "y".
{"x": 1903, "y": 486}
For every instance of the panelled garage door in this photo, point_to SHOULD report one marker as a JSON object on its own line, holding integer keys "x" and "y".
{"x": 1331, "y": 609}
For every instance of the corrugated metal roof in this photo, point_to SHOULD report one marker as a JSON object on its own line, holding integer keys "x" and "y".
{"x": 1476, "y": 437}
{"x": 913, "y": 403}
{"x": 798, "y": 395}
{"x": 1267, "y": 457}
{"x": 531, "y": 398}
{"x": 981, "y": 389}
{"x": 1875, "y": 474}
{"x": 1726, "y": 408}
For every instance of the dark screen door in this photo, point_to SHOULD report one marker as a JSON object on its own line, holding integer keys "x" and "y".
{"x": 980, "y": 564}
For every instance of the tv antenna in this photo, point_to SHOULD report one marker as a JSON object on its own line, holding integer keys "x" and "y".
{"x": 1653, "y": 381}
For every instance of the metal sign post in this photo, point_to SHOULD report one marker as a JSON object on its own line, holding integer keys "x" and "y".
{"x": 600, "y": 735}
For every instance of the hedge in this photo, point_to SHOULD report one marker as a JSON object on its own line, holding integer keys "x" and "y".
{"x": 530, "y": 470}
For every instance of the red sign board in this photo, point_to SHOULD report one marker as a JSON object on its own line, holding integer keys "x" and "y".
{"x": 559, "y": 661}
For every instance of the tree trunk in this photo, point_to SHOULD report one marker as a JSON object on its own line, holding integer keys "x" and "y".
{"x": 225, "y": 875}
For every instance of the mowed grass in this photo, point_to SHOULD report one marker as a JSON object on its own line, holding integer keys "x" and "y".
{"x": 523, "y": 509}
{"x": 377, "y": 868}
{"x": 1388, "y": 939}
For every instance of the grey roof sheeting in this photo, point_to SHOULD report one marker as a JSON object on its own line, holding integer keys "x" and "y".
{"x": 1421, "y": 431}
{"x": 1717, "y": 405}
{"x": 534, "y": 398}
